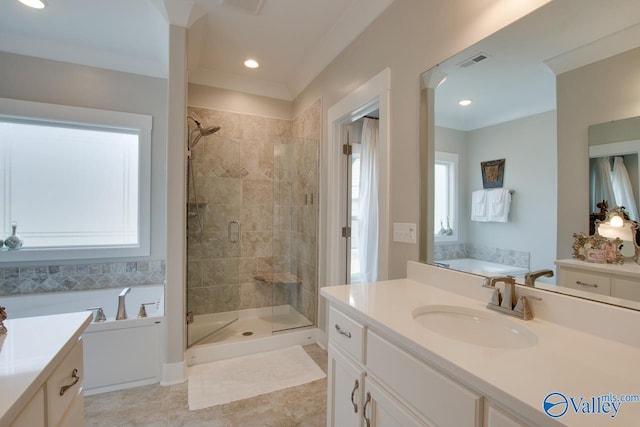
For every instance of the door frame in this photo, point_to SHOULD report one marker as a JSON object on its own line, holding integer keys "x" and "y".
{"x": 351, "y": 107}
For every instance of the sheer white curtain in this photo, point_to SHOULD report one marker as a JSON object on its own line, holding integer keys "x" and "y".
{"x": 603, "y": 188}
{"x": 622, "y": 188}
{"x": 368, "y": 197}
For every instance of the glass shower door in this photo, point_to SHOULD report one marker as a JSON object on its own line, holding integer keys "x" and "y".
{"x": 213, "y": 242}
{"x": 295, "y": 230}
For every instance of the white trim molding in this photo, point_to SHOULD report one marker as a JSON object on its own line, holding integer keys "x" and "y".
{"x": 376, "y": 91}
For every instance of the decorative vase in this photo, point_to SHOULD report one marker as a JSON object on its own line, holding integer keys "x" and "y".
{"x": 14, "y": 241}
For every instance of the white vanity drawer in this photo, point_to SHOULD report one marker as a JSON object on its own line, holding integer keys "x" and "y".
{"x": 62, "y": 377}
{"x": 347, "y": 333}
{"x": 585, "y": 281}
{"x": 429, "y": 393}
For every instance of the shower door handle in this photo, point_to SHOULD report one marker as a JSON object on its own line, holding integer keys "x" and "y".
{"x": 234, "y": 237}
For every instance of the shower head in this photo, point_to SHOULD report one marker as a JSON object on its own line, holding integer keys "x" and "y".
{"x": 202, "y": 131}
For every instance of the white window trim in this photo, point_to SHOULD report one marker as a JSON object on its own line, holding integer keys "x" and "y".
{"x": 139, "y": 123}
{"x": 451, "y": 158}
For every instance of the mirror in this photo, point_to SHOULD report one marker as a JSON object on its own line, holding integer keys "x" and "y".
{"x": 527, "y": 85}
{"x": 614, "y": 179}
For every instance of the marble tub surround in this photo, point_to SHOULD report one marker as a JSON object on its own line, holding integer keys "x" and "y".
{"x": 263, "y": 173}
{"x": 79, "y": 277}
{"x": 578, "y": 350}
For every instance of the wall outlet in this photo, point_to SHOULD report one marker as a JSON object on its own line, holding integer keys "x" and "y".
{"x": 404, "y": 232}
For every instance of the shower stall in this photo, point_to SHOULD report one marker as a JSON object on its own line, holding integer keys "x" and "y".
{"x": 251, "y": 225}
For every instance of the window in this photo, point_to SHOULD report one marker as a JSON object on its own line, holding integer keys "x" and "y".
{"x": 75, "y": 180}
{"x": 445, "y": 197}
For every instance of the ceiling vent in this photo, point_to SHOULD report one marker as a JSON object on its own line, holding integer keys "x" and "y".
{"x": 473, "y": 60}
{"x": 251, "y": 6}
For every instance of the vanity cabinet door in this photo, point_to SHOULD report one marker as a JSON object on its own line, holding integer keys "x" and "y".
{"x": 497, "y": 418}
{"x": 383, "y": 410}
{"x": 345, "y": 391}
{"x": 33, "y": 414}
{"x": 626, "y": 289}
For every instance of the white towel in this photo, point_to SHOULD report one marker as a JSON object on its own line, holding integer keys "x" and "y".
{"x": 498, "y": 204}
{"x": 479, "y": 206}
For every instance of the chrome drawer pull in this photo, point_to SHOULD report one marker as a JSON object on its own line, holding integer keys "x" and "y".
{"x": 353, "y": 392}
{"x": 591, "y": 285}
{"x": 75, "y": 377}
{"x": 364, "y": 410}
{"x": 341, "y": 332}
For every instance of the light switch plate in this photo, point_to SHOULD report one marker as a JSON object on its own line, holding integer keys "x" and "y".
{"x": 404, "y": 232}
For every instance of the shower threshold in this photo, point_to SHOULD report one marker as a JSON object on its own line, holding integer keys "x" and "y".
{"x": 246, "y": 324}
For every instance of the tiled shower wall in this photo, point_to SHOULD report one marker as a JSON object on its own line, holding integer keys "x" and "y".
{"x": 234, "y": 174}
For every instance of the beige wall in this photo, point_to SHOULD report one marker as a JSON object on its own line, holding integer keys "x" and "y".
{"x": 238, "y": 102}
{"x": 600, "y": 92}
{"x": 410, "y": 37}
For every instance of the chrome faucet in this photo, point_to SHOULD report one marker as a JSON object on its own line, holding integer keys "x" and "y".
{"x": 531, "y": 277}
{"x": 122, "y": 310}
{"x": 509, "y": 304}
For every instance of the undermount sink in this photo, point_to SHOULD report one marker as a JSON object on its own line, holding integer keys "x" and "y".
{"x": 474, "y": 326}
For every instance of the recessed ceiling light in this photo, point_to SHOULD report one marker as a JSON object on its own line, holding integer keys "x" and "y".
{"x": 465, "y": 102}
{"x": 251, "y": 63}
{"x": 36, "y": 4}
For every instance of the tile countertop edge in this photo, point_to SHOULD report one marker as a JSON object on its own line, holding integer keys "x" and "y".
{"x": 81, "y": 321}
{"x": 456, "y": 372}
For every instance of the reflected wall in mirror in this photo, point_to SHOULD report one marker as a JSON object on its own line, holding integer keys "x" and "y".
{"x": 526, "y": 84}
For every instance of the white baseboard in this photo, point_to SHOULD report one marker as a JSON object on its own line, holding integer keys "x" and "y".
{"x": 173, "y": 373}
{"x": 322, "y": 339}
{"x": 121, "y": 386}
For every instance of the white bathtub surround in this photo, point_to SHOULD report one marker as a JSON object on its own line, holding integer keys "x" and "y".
{"x": 118, "y": 354}
{"x": 225, "y": 381}
{"x": 583, "y": 348}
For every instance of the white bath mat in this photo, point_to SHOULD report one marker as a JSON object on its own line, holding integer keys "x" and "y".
{"x": 225, "y": 381}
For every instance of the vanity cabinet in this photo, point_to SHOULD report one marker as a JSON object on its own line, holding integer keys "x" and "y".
{"x": 63, "y": 403}
{"x": 41, "y": 371}
{"x": 373, "y": 382}
{"x": 620, "y": 281}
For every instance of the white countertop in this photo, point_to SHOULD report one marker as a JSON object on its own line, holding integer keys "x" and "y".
{"x": 29, "y": 352}
{"x": 563, "y": 360}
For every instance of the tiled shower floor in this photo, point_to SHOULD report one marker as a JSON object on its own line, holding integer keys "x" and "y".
{"x": 250, "y": 324}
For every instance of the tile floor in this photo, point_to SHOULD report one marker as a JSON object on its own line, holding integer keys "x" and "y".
{"x": 155, "y": 405}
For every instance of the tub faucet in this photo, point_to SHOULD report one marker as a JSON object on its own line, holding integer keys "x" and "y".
{"x": 122, "y": 311}
{"x": 530, "y": 278}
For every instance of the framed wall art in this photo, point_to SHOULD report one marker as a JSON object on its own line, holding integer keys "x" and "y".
{"x": 492, "y": 173}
